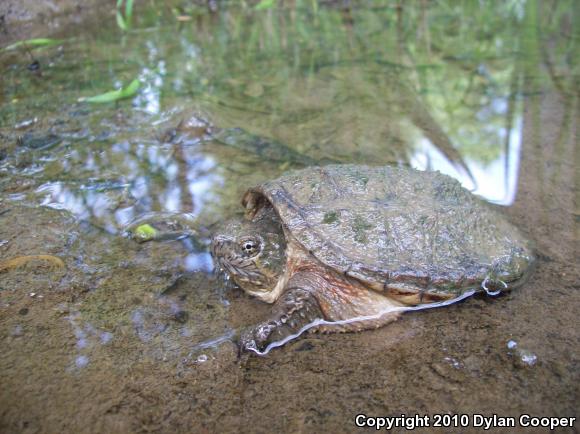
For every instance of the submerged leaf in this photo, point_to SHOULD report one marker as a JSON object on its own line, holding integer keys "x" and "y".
{"x": 162, "y": 226}
{"x": 33, "y": 43}
{"x": 145, "y": 232}
{"x": 115, "y": 95}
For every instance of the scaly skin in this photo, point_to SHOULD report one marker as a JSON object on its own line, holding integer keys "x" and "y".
{"x": 314, "y": 293}
{"x": 296, "y": 308}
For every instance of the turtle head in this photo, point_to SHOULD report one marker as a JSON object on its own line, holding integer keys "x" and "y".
{"x": 253, "y": 254}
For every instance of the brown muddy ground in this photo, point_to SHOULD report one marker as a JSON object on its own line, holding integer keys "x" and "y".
{"x": 109, "y": 342}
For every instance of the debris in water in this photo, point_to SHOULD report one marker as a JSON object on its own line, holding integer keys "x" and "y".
{"x": 38, "y": 141}
{"x": 20, "y": 261}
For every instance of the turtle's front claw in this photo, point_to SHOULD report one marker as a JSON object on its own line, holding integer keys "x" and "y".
{"x": 257, "y": 338}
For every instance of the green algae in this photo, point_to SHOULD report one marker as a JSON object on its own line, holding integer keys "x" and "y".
{"x": 360, "y": 227}
{"x": 330, "y": 217}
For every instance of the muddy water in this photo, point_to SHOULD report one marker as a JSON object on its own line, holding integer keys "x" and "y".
{"x": 138, "y": 337}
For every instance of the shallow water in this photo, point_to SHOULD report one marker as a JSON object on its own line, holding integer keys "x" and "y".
{"x": 137, "y": 337}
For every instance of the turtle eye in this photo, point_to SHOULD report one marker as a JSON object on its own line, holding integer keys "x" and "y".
{"x": 250, "y": 247}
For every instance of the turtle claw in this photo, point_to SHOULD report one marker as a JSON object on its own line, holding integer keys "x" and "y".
{"x": 245, "y": 346}
{"x": 293, "y": 311}
{"x": 256, "y": 339}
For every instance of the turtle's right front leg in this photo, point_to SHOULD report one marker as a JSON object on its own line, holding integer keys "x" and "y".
{"x": 296, "y": 308}
{"x": 339, "y": 299}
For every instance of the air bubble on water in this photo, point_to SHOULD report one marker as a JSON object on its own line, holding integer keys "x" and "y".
{"x": 454, "y": 362}
{"x": 522, "y": 357}
{"x": 527, "y": 357}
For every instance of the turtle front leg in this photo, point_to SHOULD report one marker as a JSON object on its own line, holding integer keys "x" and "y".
{"x": 317, "y": 294}
{"x": 296, "y": 308}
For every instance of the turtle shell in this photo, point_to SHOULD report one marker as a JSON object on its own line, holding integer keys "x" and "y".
{"x": 396, "y": 229}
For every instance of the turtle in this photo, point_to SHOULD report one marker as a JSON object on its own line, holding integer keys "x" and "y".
{"x": 348, "y": 247}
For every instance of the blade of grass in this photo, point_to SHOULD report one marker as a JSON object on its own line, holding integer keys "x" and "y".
{"x": 129, "y": 10}
{"x": 114, "y": 95}
{"x": 124, "y": 20}
{"x": 33, "y": 43}
{"x": 121, "y": 21}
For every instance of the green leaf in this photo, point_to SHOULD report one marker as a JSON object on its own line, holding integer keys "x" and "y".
{"x": 265, "y": 4}
{"x": 114, "y": 95}
{"x": 145, "y": 232}
{"x": 121, "y": 21}
{"x": 124, "y": 22}
{"x": 128, "y": 10}
{"x": 33, "y": 43}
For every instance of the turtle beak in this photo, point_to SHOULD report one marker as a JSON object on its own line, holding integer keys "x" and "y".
{"x": 220, "y": 244}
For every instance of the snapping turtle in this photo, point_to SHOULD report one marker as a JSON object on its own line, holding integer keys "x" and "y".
{"x": 350, "y": 244}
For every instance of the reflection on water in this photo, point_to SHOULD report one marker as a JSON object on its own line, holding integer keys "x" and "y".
{"x": 483, "y": 91}
{"x": 435, "y": 110}
{"x": 153, "y": 178}
{"x": 496, "y": 181}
